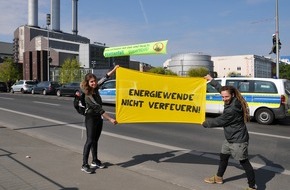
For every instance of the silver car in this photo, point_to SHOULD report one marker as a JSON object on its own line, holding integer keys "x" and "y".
{"x": 23, "y": 86}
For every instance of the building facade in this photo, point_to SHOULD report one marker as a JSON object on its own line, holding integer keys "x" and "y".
{"x": 223, "y": 66}
{"x": 244, "y": 65}
{"x": 42, "y": 51}
{"x": 6, "y": 51}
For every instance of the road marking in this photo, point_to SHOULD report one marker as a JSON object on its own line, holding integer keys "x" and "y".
{"x": 6, "y": 98}
{"x": 264, "y": 134}
{"x": 269, "y": 135}
{"x": 207, "y": 155}
{"x": 46, "y": 103}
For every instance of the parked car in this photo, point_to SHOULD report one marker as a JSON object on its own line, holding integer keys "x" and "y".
{"x": 3, "y": 87}
{"x": 45, "y": 87}
{"x": 23, "y": 86}
{"x": 69, "y": 89}
{"x": 108, "y": 92}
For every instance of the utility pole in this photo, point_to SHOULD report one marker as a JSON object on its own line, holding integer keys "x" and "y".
{"x": 277, "y": 41}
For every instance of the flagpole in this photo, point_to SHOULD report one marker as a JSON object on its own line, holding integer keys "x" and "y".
{"x": 277, "y": 41}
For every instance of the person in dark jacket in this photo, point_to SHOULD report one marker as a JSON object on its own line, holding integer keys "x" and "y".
{"x": 233, "y": 120}
{"x": 274, "y": 41}
{"x": 94, "y": 119}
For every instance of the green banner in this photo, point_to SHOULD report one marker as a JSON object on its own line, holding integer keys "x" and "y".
{"x": 137, "y": 49}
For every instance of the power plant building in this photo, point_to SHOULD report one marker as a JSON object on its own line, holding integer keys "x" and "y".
{"x": 41, "y": 51}
{"x": 223, "y": 66}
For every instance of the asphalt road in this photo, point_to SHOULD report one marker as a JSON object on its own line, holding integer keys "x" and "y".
{"x": 182, "y": 154}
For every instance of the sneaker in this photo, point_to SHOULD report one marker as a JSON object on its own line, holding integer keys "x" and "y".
{"x": 98, "y": 165}
{"x": 250, "y": 188}
{"x": 86, "y": 168}
{"x": 214, "y": 179}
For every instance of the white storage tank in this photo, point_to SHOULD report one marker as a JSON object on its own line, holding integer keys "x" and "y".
{"x": 181, "y": 63}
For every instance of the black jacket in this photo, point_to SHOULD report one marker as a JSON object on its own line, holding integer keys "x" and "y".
{"x": 232, "y": 120}
{"x": 94, "y": 102}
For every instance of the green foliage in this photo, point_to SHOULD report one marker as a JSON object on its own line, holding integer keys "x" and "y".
{"x": 233, "y": 74}
{"x": 157, "y": 70}
{"x": 9, "y": 71}
{"x": 284, "y": 71}
{"x": 70, "y": 71}
{"x": 198, "y": 72}
{"x": 169, "y": 72}
{"x": 162, "y": 71}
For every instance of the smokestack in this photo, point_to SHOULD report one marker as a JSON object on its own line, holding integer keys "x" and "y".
{"x": 55, "y": 15}
{"x": 33, "y": 13}
{"x": 75, "y": 17}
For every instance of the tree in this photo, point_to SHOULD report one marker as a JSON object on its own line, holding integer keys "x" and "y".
{"x": 70, "y": 71}
{"x": 9, "y": 71}
{"x": 198, "y": 72}
{"x": 162, "y": 71}
{"x": 284, "y": 71}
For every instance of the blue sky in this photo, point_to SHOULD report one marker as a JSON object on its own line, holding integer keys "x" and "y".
{"x": 213, "y": 27}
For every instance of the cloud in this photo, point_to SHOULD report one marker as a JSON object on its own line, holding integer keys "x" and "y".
{"x": 143, "y": 11}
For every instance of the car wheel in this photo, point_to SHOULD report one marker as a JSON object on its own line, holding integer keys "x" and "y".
{"x": 44, "y": 92}
{"x": 58, "y": 93}
{"x": 264, "y": 116}
{"x": 12, "y": 91}
{"x": 22, "y": 91}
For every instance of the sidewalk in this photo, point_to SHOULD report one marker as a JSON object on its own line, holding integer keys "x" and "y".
{"x": 30, "y": 163}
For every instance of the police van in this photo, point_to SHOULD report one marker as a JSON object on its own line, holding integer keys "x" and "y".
{"x": 267, "y": 98}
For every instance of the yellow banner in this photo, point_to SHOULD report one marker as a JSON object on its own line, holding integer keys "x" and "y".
{"x": 146, "y": 97}
{"x": 137, "y": 49}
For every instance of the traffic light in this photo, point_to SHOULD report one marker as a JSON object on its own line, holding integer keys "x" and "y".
{"x": 48, "y": 19}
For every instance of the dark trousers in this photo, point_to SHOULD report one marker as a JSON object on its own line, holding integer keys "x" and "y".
{"x": 94, "y": 126}
{"x": 224, "y": 159}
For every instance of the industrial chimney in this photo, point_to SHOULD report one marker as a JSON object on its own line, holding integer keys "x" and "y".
{"x": 33, "y": 13}
{"x": 55, "y": 15}
{"x": 75, "y": 17}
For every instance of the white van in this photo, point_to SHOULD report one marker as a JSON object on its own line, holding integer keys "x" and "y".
{"x": 268, "y": 98}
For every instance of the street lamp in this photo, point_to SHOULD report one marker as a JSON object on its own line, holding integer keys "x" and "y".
{"x": 48, "y": 51}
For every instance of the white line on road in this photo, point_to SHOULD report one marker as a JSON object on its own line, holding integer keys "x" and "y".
{"x": 46, "y": 103}
{"x": 255, "y": 165}
{"x": 264, "y": 134}
{"x": 269, "y": 135}
{"x": 6, "y": 98}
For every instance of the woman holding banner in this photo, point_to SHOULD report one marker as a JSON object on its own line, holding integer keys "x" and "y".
{"x": 94, "y": 119}
{"x": 233, "y": 119}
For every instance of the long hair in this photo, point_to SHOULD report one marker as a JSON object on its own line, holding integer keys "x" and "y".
{"x": 234, "y": 92}
{"x": 85, "y": 84}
